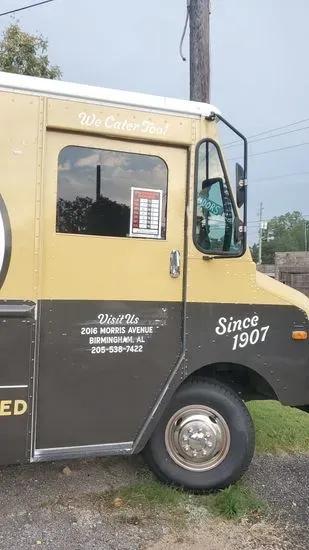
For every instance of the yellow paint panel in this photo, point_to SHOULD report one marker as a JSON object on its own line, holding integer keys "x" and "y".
{"x": 226, "y": 281}
{"x": 20, "y": 166}
{"x": 111, "y": 268}
{"x": 119, "y": 122}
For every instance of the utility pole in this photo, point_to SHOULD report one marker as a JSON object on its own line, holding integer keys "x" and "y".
{"x": 306, "y": 245}
{"x": 199, "y": 50}
{"x": 260, "y": 233}
{"x": 98, "y": 183}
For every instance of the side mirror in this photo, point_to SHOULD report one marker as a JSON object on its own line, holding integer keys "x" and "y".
{"x": 240, "y": 185}
{"x": 206, "y": 184}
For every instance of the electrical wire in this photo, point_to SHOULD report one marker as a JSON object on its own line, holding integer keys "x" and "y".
{"x": 184, "y": 32}
{"x": 257, "y": 222}
{"x": 271, "y": 130}
{"x": 273, "y": 150}
{"x": 279, "y": 149}
{"x": 270, "y": 137}
{"x": 26, "y": 7}
{"x": 280, "y": 177}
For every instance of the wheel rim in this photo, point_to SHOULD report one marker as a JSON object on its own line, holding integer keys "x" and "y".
{"x": 197, "y": 438}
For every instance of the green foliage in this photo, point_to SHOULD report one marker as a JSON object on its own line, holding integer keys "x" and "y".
{"x": 279, "y": 428}
{"x": 150, "y": 493}
{"x": 288, "y": 233}
{"x": 150, "y": 496}
{"x": 234, "y": 502}
{"x": 24, "y": 53}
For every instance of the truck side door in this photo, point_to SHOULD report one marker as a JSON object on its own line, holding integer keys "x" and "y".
{"x": 111, "y": 304}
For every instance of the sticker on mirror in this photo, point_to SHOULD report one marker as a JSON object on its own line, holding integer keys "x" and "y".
{"x": 210, "y": 205}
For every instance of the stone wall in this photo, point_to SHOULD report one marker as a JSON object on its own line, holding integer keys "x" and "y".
{"x": 292, "y": 268}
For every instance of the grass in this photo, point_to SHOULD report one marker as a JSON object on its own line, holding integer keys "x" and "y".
{"x": 279, "y": 429}
{"x": 234, "y": 502}
{"x": 148, "y": 493}
{"x": 151, "y": 497}
{"x": 145, "y": 500}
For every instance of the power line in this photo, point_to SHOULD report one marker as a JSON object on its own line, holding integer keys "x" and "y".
{"x": 256, "y": 222}
{"x": 274, "y": 150}
{"x": 260, "y": 232}
{"x": 279, "y": 149}
{"x": 271, "y": 130}
{"x": 280, "y": 177}
{"x": 26, "y": 7}
{"x": 269, "y": 137}
{"x": 279, "y": 128}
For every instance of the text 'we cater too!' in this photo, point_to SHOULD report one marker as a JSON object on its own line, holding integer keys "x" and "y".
{"x": 111, "y": 122}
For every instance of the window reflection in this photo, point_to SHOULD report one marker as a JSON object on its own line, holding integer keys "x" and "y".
{"x": 94, "y": 189}
{"x": 215, "y": 216}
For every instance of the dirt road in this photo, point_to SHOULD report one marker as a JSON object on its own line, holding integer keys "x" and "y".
{"x": 43, "y": 507}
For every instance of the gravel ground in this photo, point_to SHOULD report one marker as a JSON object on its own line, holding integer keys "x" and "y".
{"x": 42, "y": 506}
{"x": 283, "y": 482}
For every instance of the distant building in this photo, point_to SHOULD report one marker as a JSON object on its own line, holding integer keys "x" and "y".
{"x": 268, "y": 269}
{"x": 291, "y": 268}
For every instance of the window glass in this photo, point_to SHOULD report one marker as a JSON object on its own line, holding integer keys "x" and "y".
{"x": 111, "y": 193}
{"x": 216, "y": 230}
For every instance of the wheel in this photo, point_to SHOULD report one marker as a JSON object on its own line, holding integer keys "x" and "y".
{"x": 205, "y": 439}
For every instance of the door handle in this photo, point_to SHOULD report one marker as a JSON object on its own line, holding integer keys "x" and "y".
{"x": 175, "y": 263}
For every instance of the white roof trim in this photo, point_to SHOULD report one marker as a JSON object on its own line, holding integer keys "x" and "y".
{"x": 87, "y": 93}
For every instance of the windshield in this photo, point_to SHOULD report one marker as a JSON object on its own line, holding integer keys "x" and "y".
{"x": 215, "y": 211}
{"x": 220, "y": 211}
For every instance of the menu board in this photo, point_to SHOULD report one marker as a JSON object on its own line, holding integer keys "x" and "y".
{"x": 146, "y": 213}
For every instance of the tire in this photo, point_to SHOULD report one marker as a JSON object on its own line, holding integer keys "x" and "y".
{"x": 216, "y": 412}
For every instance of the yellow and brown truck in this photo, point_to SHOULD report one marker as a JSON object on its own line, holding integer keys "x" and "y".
{"x": 132, "y": 317}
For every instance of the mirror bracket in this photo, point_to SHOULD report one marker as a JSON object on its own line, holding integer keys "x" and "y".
{"x": 243, "y": 183}
{"x": 240, "y": 231}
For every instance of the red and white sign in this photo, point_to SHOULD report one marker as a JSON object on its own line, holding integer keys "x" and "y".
{"x": 146, "y": 213}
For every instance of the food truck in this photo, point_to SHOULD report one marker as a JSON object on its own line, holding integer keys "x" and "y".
{"x": 132, "y": 317}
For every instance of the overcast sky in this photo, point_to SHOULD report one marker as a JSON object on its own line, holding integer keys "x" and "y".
{"x": 259, "y": 66}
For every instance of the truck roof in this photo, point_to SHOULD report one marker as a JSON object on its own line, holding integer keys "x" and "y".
{"x": 94, "y": 94}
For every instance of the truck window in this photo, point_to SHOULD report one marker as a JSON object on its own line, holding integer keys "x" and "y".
{"x": 214, "y": 209}
{"x": 111, "y": 193}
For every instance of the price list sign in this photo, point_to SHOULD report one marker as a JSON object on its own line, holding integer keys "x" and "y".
{"x": 146, "y": 208}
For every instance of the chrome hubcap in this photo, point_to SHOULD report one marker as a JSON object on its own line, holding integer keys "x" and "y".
{"x": 197, "y": 438}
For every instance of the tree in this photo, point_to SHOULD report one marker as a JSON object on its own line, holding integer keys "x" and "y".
{"x": 83, "y": 215}
{"x": 288, "y": 233}
{"x": 24, "y": 53}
